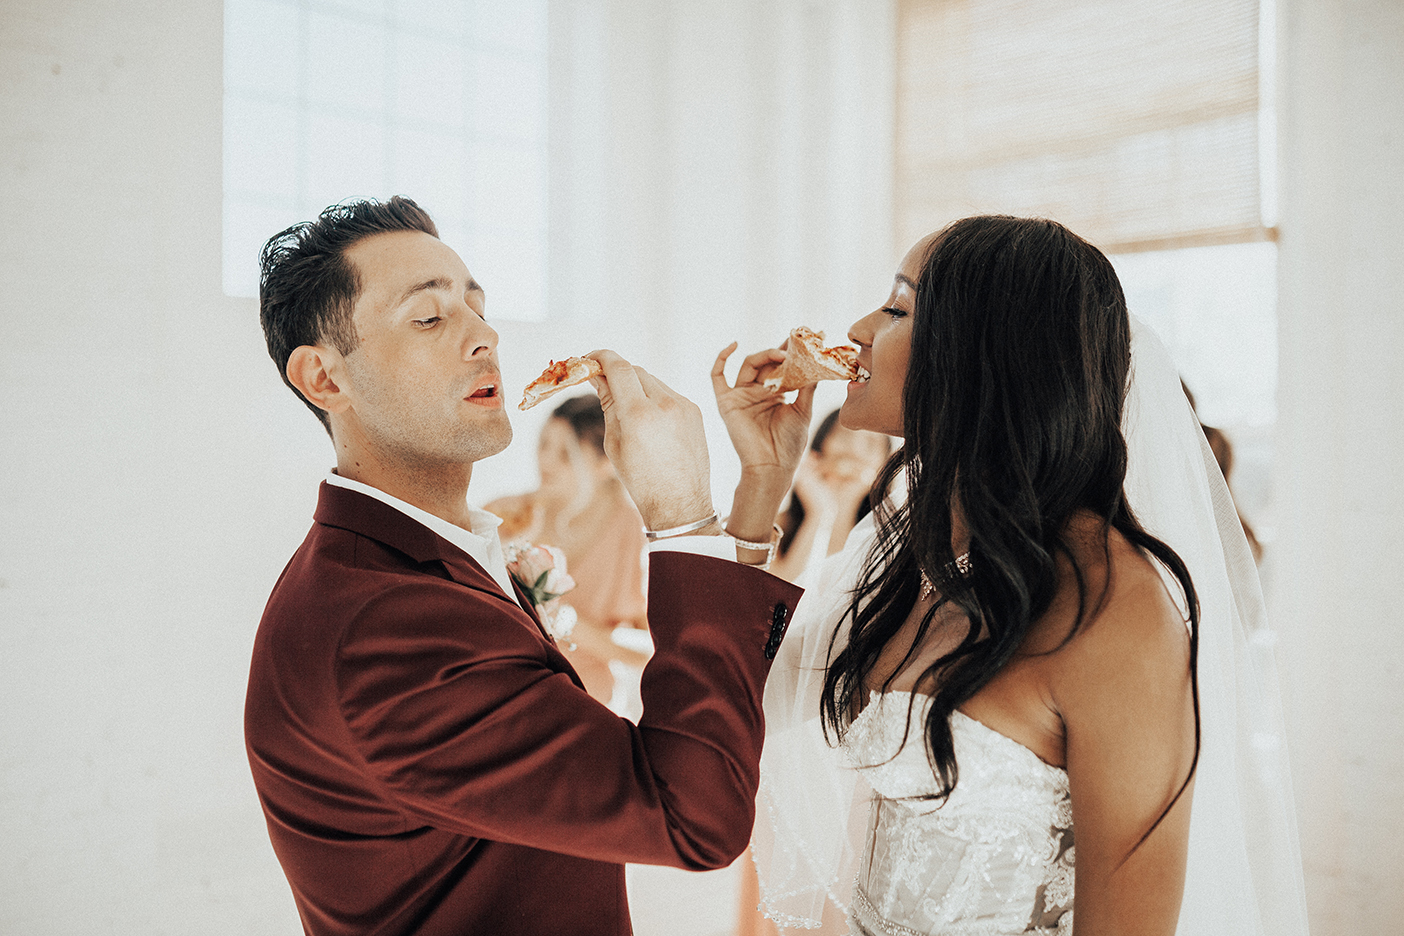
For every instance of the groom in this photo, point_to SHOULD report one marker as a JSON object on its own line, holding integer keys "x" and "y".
{"x": 427, "y": 759}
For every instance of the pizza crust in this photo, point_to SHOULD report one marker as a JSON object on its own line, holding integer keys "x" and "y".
{"x": 557, "y": 376}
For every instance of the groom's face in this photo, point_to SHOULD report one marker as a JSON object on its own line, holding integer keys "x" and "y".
{"x": 423, "y": 380}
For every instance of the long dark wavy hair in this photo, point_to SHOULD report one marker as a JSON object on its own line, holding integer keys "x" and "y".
{"x": 1019, "y": 367}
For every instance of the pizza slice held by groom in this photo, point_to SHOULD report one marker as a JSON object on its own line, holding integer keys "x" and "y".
{"x": 427, "y": 759}
{"x": 558, "y": 376}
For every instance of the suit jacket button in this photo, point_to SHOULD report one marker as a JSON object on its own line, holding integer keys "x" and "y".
{"x": 779, "y": 623}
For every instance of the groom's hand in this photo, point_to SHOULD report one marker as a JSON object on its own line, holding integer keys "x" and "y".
{"x": 654, "y": 437}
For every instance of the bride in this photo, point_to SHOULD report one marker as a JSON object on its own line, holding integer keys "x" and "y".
{"x": 1035, "y": 684}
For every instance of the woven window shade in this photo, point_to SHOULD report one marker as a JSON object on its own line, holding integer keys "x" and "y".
{"x": 1134, "y": 122}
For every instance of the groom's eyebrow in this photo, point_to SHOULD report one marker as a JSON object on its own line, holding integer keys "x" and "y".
{"x": 437, "y": 283}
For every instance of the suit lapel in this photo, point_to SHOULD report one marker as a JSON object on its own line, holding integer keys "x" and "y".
{"x": 465, "y": 570}
{"x": 525, "y": 601}
{"x": 366, "y": 516}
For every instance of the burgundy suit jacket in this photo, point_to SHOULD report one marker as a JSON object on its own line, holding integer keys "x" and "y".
{"x": 428, "y": 761}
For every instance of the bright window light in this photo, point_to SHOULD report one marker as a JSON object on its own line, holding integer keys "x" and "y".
{"x": 1216, "y": 310}
{"x": 440, "y": 100}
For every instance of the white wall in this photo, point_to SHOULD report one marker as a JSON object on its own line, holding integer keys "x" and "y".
{"x": 153, "y": 476}
{"x": 154, "y": 473}
{"x": 1340, "y": 451}
{"x": 719, "y": 170}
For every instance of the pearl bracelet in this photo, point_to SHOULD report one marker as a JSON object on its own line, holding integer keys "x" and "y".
{"x": 767, "y": 547}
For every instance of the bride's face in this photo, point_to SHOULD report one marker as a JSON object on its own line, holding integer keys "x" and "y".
{"x": 884, "y": 339}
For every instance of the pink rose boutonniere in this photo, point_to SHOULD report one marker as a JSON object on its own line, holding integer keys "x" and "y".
{"x": 541, "y": 573}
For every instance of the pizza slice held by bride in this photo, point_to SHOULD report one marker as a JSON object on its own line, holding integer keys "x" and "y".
{"x": 807, "y": 361}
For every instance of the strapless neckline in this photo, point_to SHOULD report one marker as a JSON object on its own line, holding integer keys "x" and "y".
{"x": 998, "y": 737}
{"x": 993, "y": 855}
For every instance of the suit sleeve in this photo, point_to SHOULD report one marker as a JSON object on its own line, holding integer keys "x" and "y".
{"x": 449, "y": 697}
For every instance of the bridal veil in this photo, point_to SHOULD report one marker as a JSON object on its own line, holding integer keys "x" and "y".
{"x": 1244, "y": 872}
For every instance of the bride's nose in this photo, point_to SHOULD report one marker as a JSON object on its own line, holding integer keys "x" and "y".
{"x": 861, "y": 332}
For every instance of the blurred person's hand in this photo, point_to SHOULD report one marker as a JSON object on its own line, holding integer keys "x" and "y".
{"x": 827, "y": 492}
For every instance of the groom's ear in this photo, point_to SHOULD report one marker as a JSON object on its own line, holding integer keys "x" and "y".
{"x": 319, "y": 374}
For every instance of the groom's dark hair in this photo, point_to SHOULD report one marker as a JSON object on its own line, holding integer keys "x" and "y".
{"x": 307, "y": 287}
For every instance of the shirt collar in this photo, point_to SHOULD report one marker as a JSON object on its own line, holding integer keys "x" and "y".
{"x": 475, "y": 542}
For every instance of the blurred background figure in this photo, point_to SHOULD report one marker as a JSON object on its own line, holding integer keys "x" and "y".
{"x": 830, "y": 495}
{"x": 1222, "y": 448}
{"x": 582, "y": 508}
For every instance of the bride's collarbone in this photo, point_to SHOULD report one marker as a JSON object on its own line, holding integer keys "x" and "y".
{"x": 902, "y": 663}
{"x": 1016, "y": 702}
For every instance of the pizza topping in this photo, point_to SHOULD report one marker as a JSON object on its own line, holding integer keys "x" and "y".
{"x": 557, "y": 376}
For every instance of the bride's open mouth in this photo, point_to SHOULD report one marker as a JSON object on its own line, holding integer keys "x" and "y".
{"x": 863, "y": 374}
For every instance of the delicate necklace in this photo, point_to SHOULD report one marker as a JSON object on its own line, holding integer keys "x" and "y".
{"x": 961, "y": 565}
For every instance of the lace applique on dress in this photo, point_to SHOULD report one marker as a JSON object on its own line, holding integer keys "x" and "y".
{"x": 996, "y": 858}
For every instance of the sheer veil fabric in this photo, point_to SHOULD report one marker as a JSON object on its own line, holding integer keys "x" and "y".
{"x": 1244, "y": 872}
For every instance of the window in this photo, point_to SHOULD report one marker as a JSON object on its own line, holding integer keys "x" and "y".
{"x": 1147, "y": 128}
{"x": 1214, "y": 307}
{"x": 443, "y": 101}
{"x": 1134, "y": 122}
{"x": 1216, "y": 310}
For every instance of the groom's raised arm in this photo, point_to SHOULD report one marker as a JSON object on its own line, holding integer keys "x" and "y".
{"x": 472, "y": 730}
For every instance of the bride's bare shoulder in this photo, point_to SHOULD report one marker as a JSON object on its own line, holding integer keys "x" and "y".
{"x": 1132, "y": 626}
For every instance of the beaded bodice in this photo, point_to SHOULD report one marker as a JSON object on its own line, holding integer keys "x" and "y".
{"x": 995, "y": 858}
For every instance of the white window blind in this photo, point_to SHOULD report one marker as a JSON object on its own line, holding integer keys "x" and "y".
{"x": 1134, "y": 122}
{"x": 440, "y": 100}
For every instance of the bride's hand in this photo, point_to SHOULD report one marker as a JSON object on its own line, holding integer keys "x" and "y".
{"x": 769, "y": 435}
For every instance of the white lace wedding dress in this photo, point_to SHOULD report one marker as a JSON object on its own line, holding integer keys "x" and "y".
{"x": 845, "y": 850}
{"x": 996, "y": 858}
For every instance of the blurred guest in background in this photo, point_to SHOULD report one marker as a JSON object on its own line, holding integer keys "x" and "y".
{"x": 830, "y": 495}
{"x": 582, "y": 508}
{"x": 1222, "y": 448}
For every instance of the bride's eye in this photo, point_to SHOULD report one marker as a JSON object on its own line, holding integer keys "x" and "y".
{"x": 893, "y": 312}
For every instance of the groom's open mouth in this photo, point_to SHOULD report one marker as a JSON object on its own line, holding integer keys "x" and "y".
{"x": 863, "y": 374}
{"x": 488, "y": 393}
